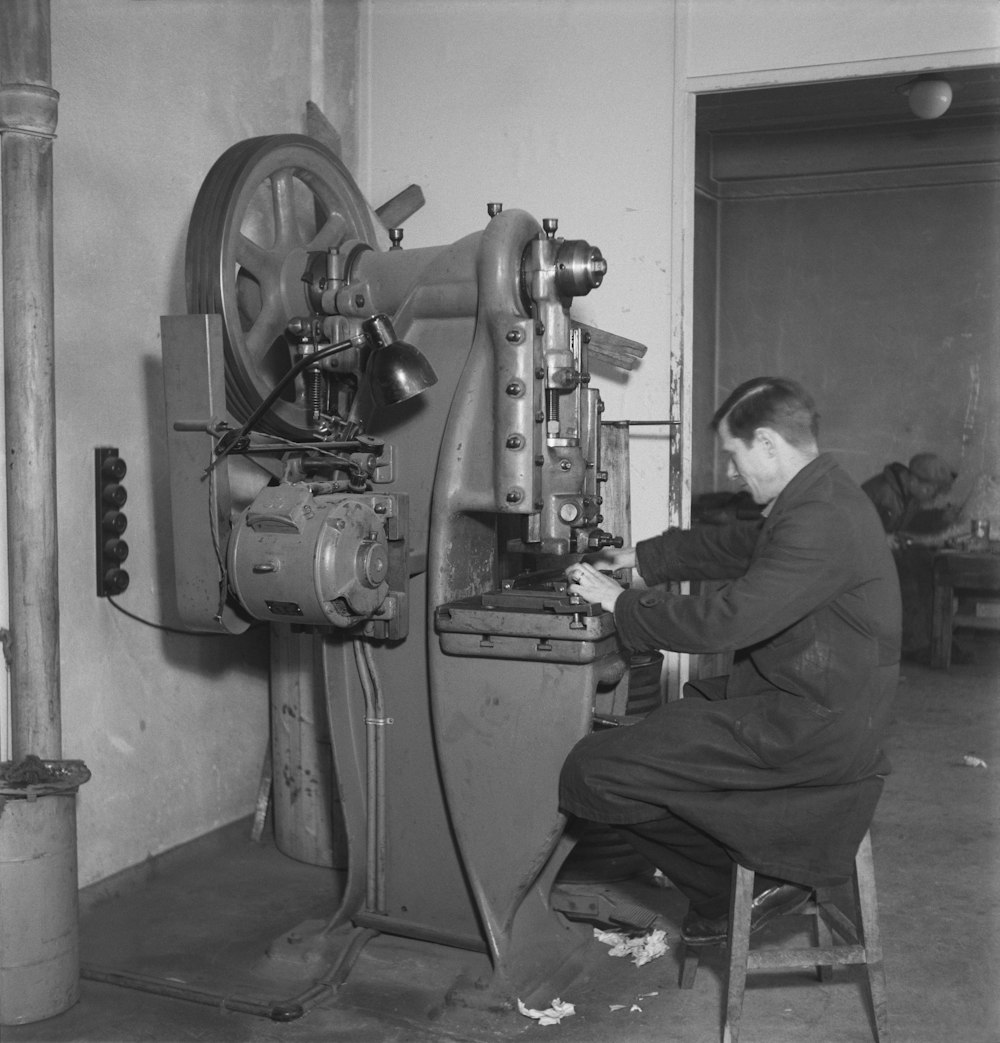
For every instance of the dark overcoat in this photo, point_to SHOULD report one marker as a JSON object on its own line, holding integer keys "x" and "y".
{"x": 889, "y": 492}
{"x": 781, "y": 762}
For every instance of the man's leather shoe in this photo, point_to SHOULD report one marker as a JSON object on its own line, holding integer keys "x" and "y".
{"x": 699, "y": 930}
{"x": 775, "y": 901}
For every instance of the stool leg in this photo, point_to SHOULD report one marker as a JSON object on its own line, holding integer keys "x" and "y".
{"x": 867, "y": 904}
{"x": 824, "y": 936}
{"x": 739, "y": 945}
{"x": 689, "y": 966}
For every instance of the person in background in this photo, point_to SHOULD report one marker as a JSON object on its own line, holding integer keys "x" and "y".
{"x": 905, "y": 497}
{"x": 778, "y": 765}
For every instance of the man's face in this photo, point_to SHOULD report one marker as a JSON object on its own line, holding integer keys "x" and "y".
{"x": 754, "y": 465}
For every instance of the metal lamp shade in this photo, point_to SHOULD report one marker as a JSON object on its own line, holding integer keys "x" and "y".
{"x": 398, "y": 371}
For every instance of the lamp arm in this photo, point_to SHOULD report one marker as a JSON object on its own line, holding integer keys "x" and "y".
{"x": 227, "y": 443}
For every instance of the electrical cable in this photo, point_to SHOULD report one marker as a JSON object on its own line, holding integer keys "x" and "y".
{"x": 374, "y": 776}
{"x": 172, "y": 630}
{"x": 288, "y": 1009}
{"x": 223, "y": 450}
{"x": 213, "y": 525}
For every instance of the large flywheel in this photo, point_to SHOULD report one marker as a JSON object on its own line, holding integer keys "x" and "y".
{"x": 267, "y": 207}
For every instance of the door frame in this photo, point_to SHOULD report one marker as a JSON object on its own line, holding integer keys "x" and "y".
{"x": 686, "y": 91}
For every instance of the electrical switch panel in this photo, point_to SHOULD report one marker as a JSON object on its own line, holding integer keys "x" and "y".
{"x": 110, "y": 521}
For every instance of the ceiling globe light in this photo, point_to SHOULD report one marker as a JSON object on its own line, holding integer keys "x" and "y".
{"x": 929, "y": 96}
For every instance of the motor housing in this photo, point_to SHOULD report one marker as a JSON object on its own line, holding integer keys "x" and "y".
{"x": 321, "y": 560}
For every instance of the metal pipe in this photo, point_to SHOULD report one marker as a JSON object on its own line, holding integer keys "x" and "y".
{"x": 28, "y": 114}
{"x": 375, "y": 722}
{"x": 277, "y": 1010}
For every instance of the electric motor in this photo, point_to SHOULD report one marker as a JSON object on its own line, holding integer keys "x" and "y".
{"x": 314, "y": 560}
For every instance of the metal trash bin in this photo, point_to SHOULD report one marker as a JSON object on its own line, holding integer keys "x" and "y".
{"x": 39, "y": 928}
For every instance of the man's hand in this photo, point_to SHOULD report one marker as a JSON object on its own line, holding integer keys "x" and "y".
{"x": 613, "y": 558}
{"x": 593, "y": 586}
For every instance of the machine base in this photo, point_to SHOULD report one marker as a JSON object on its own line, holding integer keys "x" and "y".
{"x": 306, "y": 951}
{"x": 352, "y": 959}
{"x": 486, "y": 995}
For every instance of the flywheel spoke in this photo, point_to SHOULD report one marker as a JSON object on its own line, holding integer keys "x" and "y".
{"x": 286, "y": 227}
{"x": 263, "y": 265}
{"x": 332, "y": 233}
{"x": 267, "y": 330}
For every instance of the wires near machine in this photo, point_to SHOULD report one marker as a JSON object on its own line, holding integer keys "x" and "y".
{"x": 375, "y": 721}
{"x": 169, "y": 629}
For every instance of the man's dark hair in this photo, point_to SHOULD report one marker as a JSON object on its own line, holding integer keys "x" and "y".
{"x": 773, "y": 402}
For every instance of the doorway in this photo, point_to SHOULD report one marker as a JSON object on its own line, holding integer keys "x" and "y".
{"x": 841, "y": 240}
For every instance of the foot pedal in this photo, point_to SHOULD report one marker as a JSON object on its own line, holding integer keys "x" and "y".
{"x": 598, "y": 908}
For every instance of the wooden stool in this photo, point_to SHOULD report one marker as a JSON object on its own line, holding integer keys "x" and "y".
{"x": 864, "y": 944}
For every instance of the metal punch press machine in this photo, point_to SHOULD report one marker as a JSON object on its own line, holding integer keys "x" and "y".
{"x": 390, "y": 456}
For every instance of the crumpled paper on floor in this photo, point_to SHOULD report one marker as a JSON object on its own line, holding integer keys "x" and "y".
{"x": 642, "y": 949}
{"x": 552, "y": 1016}
{"x": 635, "y": 1006}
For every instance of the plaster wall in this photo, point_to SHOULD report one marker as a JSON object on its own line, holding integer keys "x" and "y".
{"x": 567, "y": 108}
{"x": 789, "y": 40}
{"x": 562, "y": 109}
{"x": 173, "y": 726}
{"x": 885, "y": 305}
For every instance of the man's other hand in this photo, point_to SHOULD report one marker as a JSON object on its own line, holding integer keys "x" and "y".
{"x": 593, "y": 586}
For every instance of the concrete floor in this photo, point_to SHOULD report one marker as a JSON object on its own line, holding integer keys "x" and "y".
{"x": 204, "y": 915}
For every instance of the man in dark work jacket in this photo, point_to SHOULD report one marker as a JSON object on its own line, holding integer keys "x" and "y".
{"x": 779, "y": 765}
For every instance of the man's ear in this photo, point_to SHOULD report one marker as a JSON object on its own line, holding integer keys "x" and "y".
{"x": 766, "y": 437}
